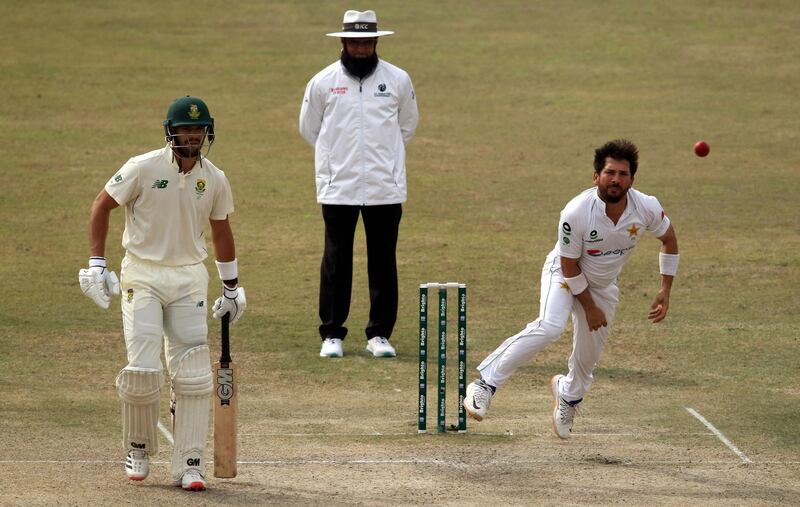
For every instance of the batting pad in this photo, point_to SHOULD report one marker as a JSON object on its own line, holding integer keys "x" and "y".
{"x": 139, "y": 389}
{"x": 192, "y": 385}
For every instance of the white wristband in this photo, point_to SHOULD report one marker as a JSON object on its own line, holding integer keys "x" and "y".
{"x": 228, "y": 270}
{"x": 577, "y": 284}
{"x": 97, "y": 262}
{"x": 668, "y": 263}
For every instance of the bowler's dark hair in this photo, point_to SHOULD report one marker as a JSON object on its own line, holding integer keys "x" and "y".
{"x": 618, "y": 149}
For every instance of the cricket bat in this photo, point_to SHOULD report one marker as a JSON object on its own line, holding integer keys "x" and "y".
{"x": 225, "y": 390}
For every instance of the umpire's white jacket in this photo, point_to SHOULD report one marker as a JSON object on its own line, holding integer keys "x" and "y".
{"x": 359, "y": 130}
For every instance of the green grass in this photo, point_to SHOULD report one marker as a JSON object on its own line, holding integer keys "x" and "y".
{"x": 513, "y": 97}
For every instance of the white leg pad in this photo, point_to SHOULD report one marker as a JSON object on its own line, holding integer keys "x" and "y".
{"x": 192, "y": 385}
{"x": 139, "y": 389}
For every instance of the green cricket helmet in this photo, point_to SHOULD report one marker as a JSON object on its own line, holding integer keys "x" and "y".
{"x": 188, "y": 111}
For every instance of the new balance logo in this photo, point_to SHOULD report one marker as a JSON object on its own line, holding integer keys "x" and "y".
{"x": 160, "y": 184}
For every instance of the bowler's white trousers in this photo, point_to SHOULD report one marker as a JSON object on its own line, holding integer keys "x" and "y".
{"x": 556, "y": 304}
{"x": 162, "y": 306}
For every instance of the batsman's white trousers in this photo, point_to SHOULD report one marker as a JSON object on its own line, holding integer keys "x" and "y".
{"x": 556, "y": 304}
{"x": 162, "y": 306}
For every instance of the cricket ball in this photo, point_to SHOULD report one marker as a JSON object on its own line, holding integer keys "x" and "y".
{"x": 701, "y": 148}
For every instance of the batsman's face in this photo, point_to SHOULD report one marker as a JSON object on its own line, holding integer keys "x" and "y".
{"x": 614, "y": 180}
{"x": 189, "y": 140}
{"x": 360, "y": 48}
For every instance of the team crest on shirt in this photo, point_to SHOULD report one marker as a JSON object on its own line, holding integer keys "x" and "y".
{"x": 130, "y": 296}
{"x": 633, "y": 231}
{"x": 200, "y": 186}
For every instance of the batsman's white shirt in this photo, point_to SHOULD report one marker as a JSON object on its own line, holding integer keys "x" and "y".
{"x": 585, "y": 232}
{"x": 359, "y": 130}
{"x": 166, "y": 212}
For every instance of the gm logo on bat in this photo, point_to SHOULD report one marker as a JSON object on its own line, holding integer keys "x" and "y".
{"x": 225, "y": 385}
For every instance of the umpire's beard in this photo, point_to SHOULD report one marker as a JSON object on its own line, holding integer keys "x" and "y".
{"x": 359, "y": 67}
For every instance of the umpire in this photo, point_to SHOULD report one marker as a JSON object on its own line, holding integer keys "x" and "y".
{"x": 359, "y": 113}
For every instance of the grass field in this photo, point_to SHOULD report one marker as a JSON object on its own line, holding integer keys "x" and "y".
{"x": 513, "y": 98}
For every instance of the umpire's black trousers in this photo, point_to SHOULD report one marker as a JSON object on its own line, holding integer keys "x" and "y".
{"x": 381, "y": 225}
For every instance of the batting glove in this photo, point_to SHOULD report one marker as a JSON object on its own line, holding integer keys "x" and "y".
{"x": 232, "y": 301}
{"x": 98, "y": 283}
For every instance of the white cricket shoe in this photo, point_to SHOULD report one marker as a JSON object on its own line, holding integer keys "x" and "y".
{"x": 192, "y": 480}
{"x": 478, "y": 398}
{"x": 331, "y": 347}
{"x": 380, "y": 347}
{"x": 563, "y": 411}
{"x": 137, "y": 465}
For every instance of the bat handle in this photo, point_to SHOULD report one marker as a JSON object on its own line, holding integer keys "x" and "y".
{"x": 225, "y": 352}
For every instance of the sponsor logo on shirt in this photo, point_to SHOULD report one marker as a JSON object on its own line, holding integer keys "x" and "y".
{"x": 616, "y": 251}
{"x": 382, "y": 91}
{"x": 566, "y": 229}
{"x": 593, "y": 237}
{"x": 118, "y": 178}
{"x": 160, "y": 184}
{"x": 339, "y": 90}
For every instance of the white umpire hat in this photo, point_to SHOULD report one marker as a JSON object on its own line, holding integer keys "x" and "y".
{"x": 360, "y": 25}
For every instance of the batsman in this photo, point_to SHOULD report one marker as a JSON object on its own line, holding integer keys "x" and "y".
{"x": 169, "y": 194}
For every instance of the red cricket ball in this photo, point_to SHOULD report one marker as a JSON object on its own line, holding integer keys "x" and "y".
{"x": 701, "y": 148}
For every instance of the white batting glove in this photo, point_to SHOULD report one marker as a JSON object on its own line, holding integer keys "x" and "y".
{"x": 98, "y": 283}
{"x": 232, "y": 301}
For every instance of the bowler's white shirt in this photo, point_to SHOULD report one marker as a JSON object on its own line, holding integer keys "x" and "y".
{"x": 166, "y": 212}
{"x": 586, "y": 233}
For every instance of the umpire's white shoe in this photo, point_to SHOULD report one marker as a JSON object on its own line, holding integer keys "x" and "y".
{"x": 380, "y": 347}
{"x": 563, "y": 411}
{"x": 192, "y": 480}
{"x": 331, "y": 347}
{"x": 137, "y": 465}
{"x": 478, "y": 398}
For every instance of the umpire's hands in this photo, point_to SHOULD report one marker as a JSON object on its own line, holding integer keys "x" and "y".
{"x": 232, "y": 301}
{"x": 98, "y": 283}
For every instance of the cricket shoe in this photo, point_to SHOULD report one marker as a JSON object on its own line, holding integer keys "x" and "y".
{"x": 192, "y": 480}
{"x": 563, "y": 411}
{"x": 331, "y": 347}
{"x": 137, "y": 465}
{"x": 380, "y": 347}
{"x": 478, "y": 398}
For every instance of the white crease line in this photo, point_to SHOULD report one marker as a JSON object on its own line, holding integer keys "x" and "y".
{"x": 719, "y": 435}
{"x": 477, "y": 433}
{"x": 72, "y": 462}
{"x": 166, "y": 433}
{"x": 417, "y": 461}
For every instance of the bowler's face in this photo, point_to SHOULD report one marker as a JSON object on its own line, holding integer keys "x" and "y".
{"x": 614, "y": 180}
{"x": 360, "y": 48}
